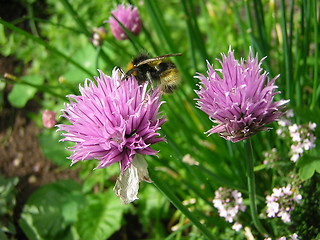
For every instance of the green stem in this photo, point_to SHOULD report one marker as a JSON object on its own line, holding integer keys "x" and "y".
{"x": 177, "y": 203}
{"x": 32, "y": 23}
{"x": 286, "y": 50}
{"x": 40, "y": 20}
{"x": 42, "y": 88}
{"x": 254, "y": 41}
{"x": 316, "y": 88}
{"x": 79, "y": 21}
{"x": 252, "y": 189}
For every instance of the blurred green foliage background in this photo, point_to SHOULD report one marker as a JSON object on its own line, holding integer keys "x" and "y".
{"x": 50, "y": 40}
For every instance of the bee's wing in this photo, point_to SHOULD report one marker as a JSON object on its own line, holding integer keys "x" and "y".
{"x": 158, "y": 58}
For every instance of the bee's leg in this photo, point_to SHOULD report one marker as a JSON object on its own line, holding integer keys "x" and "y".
{"x": 128, "y": 73}
{"x": 149, "y": 79}
{"x": 121, "y": 70}
{"x": 122, "y": 73}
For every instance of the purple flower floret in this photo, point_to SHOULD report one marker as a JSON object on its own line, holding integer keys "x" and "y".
{"x": 238, "y": 97}
{"x": 112, "y": 120}
{"x": 129, "y": 17}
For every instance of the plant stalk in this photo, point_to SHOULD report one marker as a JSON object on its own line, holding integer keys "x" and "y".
{"x": 252, "y": 189}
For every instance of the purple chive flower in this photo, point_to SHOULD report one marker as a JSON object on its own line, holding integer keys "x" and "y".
{"x": 129, "y": 16}
{"x": 112, "y": 121}
{"x": 238, "y": 97}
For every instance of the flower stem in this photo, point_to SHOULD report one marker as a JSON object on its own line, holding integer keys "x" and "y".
{"x": 252, "y": 189}
{"x": 177, "y": 203}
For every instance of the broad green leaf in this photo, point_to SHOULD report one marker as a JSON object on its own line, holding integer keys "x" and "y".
{"x": 22, "y": 93}
{"x": 153, "y": 208}
{"x": 7, "y": 194}
{"x": 96, "y": 177}
{"x": 53, "y": 149}
{"x": 102, "y": 217}
{"x": 3, "y": 236}
{"x": 308, "y": 166}
{"x": 86, "y": 57}
{"x": 51, "y": 210}
{"x": 7, "y": 202}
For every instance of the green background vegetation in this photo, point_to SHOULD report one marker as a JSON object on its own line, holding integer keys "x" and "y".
{"x": 56, "y": 55}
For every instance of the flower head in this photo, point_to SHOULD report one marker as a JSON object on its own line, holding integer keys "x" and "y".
{"x": 129, "y": 17}
{"x": 112, "y": 121}
{"x": 282, "y": 202}
{"x": 290, "y": 237}
{"x": 238, "y": 97}
{"x": 48, "y": 118}
{"x": 229, "y": 202}
{"x": 301, "y": 136}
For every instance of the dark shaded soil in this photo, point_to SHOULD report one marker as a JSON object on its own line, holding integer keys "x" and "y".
{"x": 20, "y": 151}
{"x": 11, "y": 10}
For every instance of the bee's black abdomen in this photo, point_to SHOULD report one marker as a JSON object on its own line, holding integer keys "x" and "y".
{"x": 163, "y": 66}
{"x": 145, "y": 72}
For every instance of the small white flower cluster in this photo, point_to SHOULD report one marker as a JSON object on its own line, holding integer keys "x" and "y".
{"x": 303, "y": 139}
{"x": 284, "y": 122}
{"x": 270, "y": 157}
{"x": 281, "y": 202}
{"x": 302, "y": 136}
{"x": 291, "y": 237}
{"x": 229, "y": 202}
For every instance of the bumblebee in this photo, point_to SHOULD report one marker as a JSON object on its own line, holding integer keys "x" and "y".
{"x": 157, "y": 69}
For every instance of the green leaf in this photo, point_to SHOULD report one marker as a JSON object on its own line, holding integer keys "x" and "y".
{"x": 152, "y": 200}
{"x": 3, "y": 38}
{"x": 22, "y": 93}
{"x": 92, "y": 177}
{"x": 307, "y": 115}
{"x": 51, "y": 210}
{"x": 87, "y": 58}
{"x": 2, "y": 87}
{"x": 102, "y": 217}
{"x": 7, "y": 203}
{"x": 3, "y": 236}
{"x": 308, "y": 166}
{"x": 153, "y": 208}
{"x": 52, "y": 148}
{"x": 7, "y": 194}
